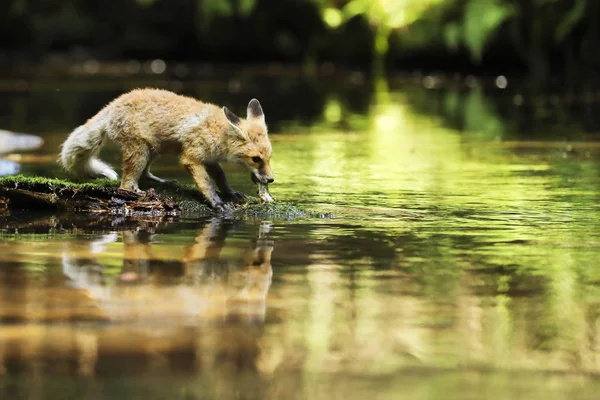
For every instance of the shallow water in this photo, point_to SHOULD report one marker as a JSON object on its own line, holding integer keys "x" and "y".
{"x": 462, "y": 262}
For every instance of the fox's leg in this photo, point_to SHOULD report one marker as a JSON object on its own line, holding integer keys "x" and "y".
{"x": 216, "y": 173}
{"x": 135, "y": 159}
{"x": 149, "y": 174}
{"x": 203, "y": 183}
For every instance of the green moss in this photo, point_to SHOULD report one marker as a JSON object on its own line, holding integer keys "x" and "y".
{"x": 50, "y": 184}
{"x": 190, "y": 201}
{"x": 277, "y": 210}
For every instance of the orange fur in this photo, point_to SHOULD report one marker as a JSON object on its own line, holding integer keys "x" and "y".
{"x": 148, "y": 122}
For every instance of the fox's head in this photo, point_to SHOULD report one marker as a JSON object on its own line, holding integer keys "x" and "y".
{"x": 251, "y": 145}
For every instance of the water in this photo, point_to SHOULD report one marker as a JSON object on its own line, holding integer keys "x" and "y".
{"x": 462, "y": 262}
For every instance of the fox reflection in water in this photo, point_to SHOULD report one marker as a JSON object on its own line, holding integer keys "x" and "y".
{"x": 168, "y": 309}
{"x": 198, "y": 287}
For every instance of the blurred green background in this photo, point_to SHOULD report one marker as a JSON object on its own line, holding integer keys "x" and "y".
{"x": 539, "y": 40}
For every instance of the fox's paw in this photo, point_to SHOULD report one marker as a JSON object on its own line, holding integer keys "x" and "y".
{"x": 135, "y": 190}
{"x": 222, "y": 208}
{"x": 236, "y": 197}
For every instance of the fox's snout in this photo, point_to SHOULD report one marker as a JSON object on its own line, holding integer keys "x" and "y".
{"x": 257, "y": 176}
{"x": 263, "y": 178}
{"x": 264, "y": 174}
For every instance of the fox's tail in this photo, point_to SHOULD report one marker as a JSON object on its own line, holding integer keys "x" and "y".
{"x": 79, "y": 151}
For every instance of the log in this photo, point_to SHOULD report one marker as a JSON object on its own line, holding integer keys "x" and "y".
{"x": 103, "y": 196}
{"x": 37, "y": 193}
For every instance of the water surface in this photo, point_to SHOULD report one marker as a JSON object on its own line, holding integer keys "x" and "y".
{"x": 462, "y": 262}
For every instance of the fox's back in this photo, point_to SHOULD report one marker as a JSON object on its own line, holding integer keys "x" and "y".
{"x": 155, "y": 114}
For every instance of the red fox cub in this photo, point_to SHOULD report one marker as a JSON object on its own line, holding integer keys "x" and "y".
{"x": 149, "y": 122}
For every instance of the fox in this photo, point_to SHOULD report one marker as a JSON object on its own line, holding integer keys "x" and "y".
{"x": 146, "y": 123}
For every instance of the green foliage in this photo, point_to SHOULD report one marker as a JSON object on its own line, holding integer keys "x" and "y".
{"x": 534, "y": 28}
{"x": 482, "y": 18}
{"x": 570, "y": 20}
{"x": 216, "y": 8}
{"x": 454, "y": 24}
{"x": 452, "y": 35}
{"x": 209, "y": 9}
{"x": 383, "y": 15}
{"x": 389, "y": 13}
{"x": 145, "y": 3}
{"x": 245, "y": 7}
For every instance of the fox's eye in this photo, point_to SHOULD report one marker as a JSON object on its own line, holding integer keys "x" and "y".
{"x": 256, "y": 159}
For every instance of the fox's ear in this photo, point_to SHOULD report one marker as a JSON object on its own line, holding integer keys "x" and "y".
{"x": 255, "y": 111}
{"x": 231, "y": 117}
{"x": 234, "y": 121}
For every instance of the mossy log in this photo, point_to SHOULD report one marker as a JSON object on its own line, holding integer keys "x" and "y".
{"x": 104, "y": 196}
